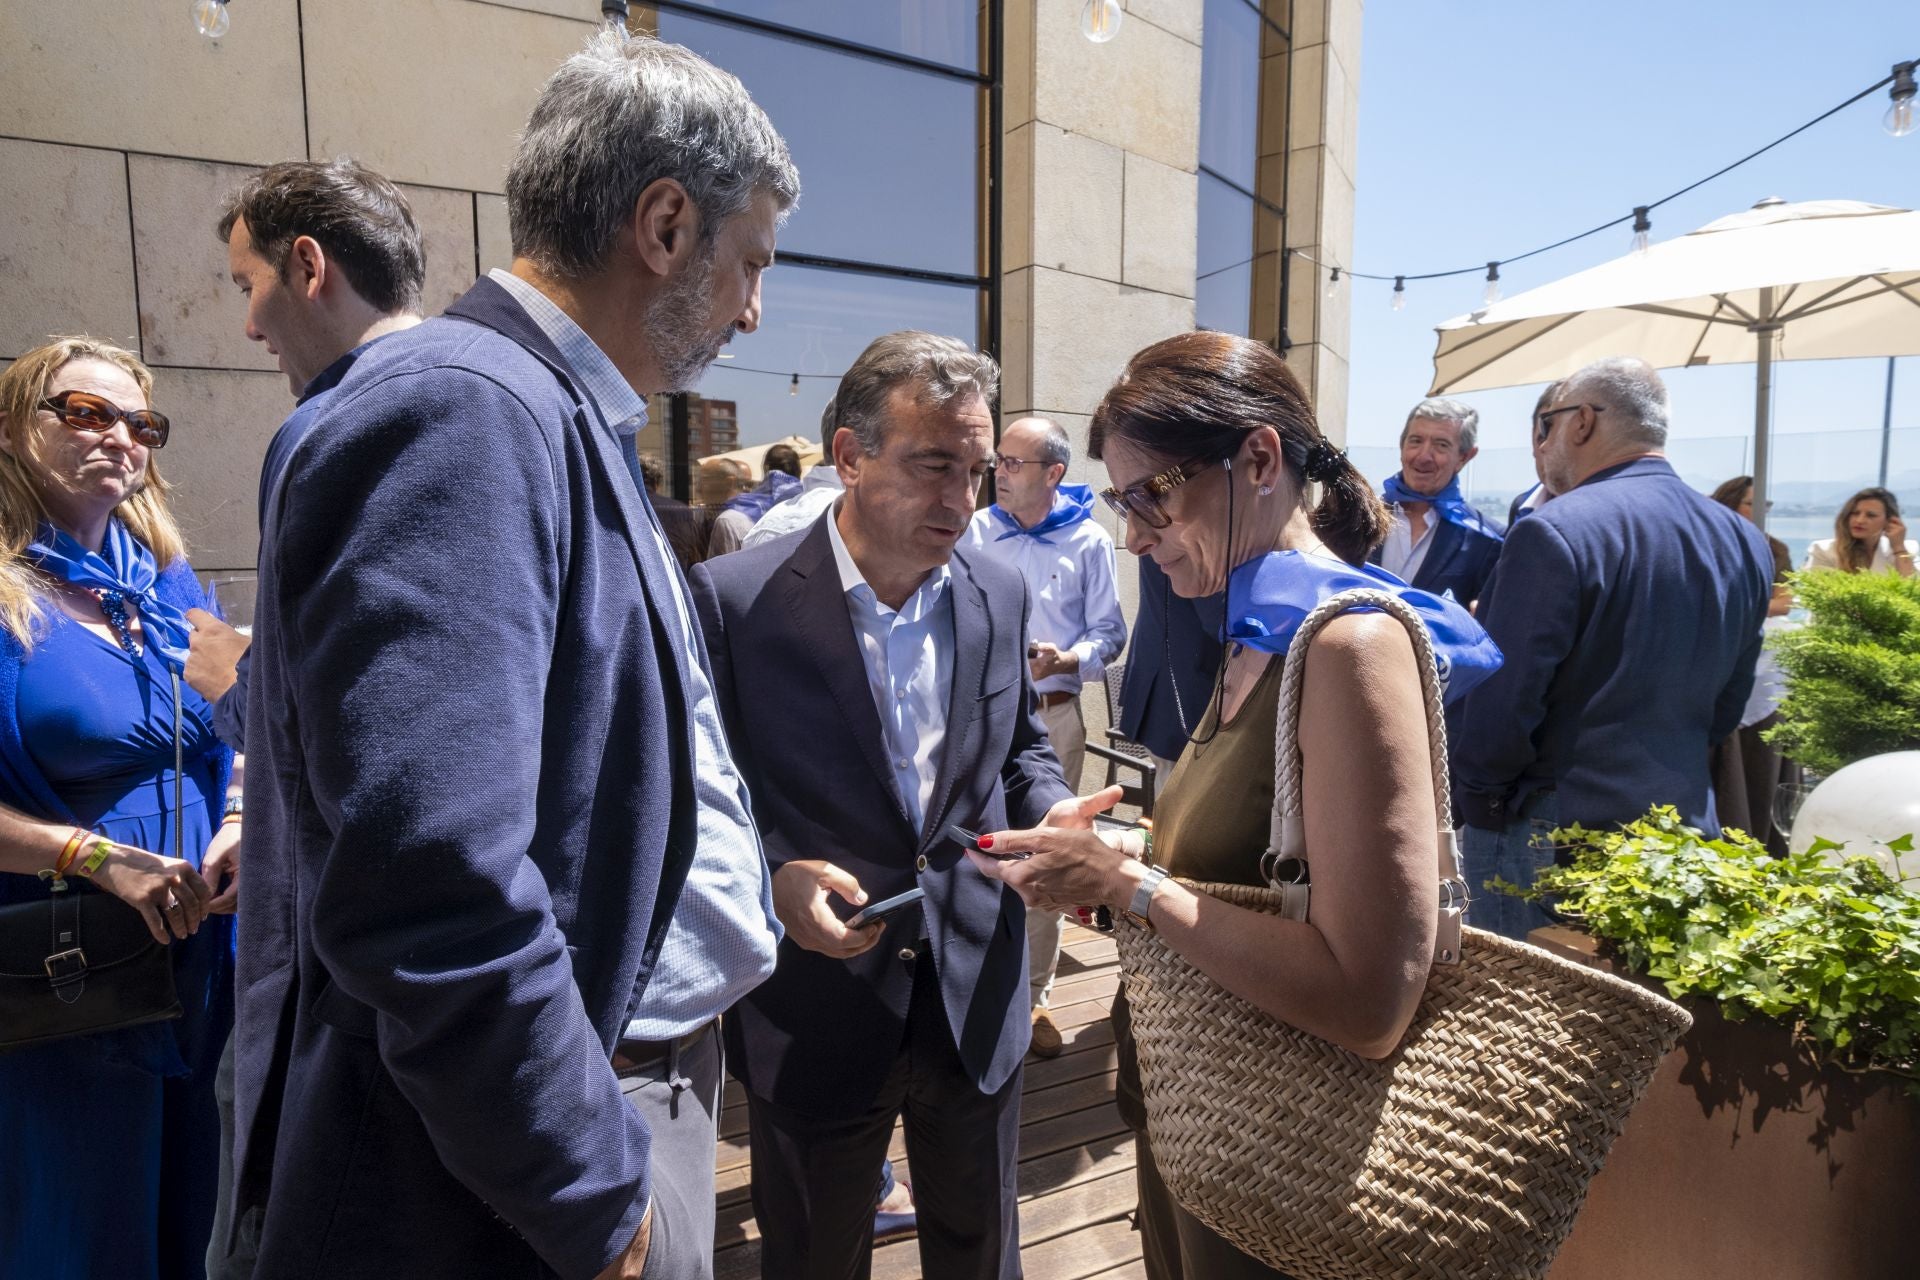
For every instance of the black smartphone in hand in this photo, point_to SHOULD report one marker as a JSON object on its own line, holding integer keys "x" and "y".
{"x": 875, "y": 912}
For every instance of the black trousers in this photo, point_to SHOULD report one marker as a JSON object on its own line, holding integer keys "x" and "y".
{"x": 816, "y": 1180}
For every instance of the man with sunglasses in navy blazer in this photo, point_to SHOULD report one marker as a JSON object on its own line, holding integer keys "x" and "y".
{"x": 1629, "y": 610}
{"x": 503, "y": 878}
{"x": 877, "y": 693}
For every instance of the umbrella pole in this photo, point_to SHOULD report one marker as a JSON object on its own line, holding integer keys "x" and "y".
{"x": 1766, "y": 331}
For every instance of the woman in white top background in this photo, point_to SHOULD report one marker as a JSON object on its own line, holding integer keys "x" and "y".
{"x": 1868, "y": 536}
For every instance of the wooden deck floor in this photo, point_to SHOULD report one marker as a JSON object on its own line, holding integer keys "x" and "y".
{"x": 1076, "y": 1157}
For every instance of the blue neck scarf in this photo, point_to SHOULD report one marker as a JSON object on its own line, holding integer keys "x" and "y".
{"x": 123, "y": 565}
{"x": 1269, "y": 596}
{"x": 1072, "y": 503}
{"x": 1452, "y": 507}
{"x": 757, "y": 501}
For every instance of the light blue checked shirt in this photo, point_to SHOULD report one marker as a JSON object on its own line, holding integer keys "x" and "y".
{"x": 908, "y": 654}
{"x": 721, "y": 942}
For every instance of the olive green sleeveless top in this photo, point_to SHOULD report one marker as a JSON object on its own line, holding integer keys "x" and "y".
{"x": 1213, "y": 819}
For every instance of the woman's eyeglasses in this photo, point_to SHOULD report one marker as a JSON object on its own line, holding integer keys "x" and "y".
{"x": 1148, "y": 498}
{"x": 84, "y": 411}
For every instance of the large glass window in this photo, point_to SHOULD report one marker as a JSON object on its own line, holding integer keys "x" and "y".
{"x": 1239, "y": 218}
{"x": 885, "y": 105}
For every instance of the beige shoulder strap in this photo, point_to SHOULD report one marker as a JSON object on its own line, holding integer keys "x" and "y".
{"x": 1284, "y": 865}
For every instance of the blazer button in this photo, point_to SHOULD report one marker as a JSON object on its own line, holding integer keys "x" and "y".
{"x": 908, "y": 954}
{"x": 920, "y": 863}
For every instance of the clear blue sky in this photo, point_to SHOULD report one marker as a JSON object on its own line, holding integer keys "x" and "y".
{"x": 1492, "y": 127}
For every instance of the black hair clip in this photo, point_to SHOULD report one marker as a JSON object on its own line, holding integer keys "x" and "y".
{"x": 1323, "y": 461}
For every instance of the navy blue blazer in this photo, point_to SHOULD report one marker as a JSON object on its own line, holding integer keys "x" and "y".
{"x": 821, "y": 1035}
{"x": 1175, "y": 647}
{"x": 1458, "y": 559}
{"x": 1629, "y": 611}
{"x": 470, "y": 810}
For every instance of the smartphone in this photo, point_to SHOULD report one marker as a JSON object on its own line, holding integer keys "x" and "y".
{"x": 969, "y": 840}
{"x": 875, "y": 912}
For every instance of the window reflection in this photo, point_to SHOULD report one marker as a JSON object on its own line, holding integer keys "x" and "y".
{"x": 943, "y": 31}
{"x": 1225, "y": 277}
{"x": 889, "y": 157}
{"x": 1230, "y": 91}
{"x": 816, "y": 322}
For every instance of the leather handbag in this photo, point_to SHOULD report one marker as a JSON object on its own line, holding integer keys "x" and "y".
{"x": 1463, "y": 1155}
{"x": 83, "y": 961}
{"x": 80, "y": 963}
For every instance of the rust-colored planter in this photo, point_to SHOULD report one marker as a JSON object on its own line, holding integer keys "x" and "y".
{"x": 1745, "y": 1161}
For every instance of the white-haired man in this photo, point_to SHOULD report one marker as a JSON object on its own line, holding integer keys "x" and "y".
{"x": 1629, "y": 611}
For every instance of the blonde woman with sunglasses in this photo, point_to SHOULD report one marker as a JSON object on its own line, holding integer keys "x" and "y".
{"x": 111, "y": 1157}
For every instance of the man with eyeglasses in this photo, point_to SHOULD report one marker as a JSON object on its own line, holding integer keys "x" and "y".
{"x": 1044, "y": 531}
{"x": 1437, "y": 541}
{"x": 1530, "y": 501}
{"x": 1629, "y": 610}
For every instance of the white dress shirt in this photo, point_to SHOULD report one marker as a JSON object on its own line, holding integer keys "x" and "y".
{"x": 723, "y": 936}
{"x": 1070, "y": 589}
{"x": 818, "y": 491}
{"x": 1402, "y": 555}
{"x": 908, "y": 653}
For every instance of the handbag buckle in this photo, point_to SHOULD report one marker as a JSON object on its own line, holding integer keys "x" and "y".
{"x": 1454, "y": 896}
{"x": 66, "y": 967}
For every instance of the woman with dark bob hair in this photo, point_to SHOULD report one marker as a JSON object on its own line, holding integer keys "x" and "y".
{"x": 1212, "y": 447}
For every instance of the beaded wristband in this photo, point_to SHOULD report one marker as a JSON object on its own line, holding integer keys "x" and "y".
{"x": 96, "y": 856}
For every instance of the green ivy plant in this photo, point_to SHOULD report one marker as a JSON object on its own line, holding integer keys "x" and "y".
{"x": 1831, "y": 950}
{"x": 1853, "y": 670}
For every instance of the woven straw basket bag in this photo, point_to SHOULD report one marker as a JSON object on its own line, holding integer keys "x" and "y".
{"x": 1464, "y": 1154}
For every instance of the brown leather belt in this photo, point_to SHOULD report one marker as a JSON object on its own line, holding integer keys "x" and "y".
{"x": 1054, "y": 699}
{"x": 629, "y": 1055}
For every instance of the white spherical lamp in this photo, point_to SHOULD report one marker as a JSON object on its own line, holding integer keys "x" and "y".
{"x": 1864, "y": 806}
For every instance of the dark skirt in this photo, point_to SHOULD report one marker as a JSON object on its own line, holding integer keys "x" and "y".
{"x": 1747, "y": 771}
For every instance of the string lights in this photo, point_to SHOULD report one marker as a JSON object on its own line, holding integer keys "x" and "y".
{"x": 210, "y": 18}
{"x": 1901, "y": 120}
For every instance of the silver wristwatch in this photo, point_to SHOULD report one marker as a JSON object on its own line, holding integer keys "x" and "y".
{"x": 1143, "y": 895}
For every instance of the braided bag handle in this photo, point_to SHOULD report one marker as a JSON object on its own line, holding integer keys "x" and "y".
{"x": 1284, "y": 864}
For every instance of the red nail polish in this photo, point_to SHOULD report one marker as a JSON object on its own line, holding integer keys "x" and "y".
{"x": 986, "y": 842}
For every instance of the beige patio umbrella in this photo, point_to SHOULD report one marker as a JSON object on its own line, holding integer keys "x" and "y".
{"x": 1819, "y": 280}
{"x": 755, "y": 456}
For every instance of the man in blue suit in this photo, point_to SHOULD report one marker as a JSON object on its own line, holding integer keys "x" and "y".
{"x": 1629, "y": 610}
{"x": 1437, "y": 541}
{"x": 503, "y": 876}
{"x": 876, "y": 692}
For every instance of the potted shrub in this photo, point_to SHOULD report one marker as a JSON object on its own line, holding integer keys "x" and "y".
{"x": 1853, "y": 670}
{"x": 1782, "y": 1137}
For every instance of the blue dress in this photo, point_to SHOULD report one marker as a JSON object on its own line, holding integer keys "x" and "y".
{"x": 111, "y": 1142}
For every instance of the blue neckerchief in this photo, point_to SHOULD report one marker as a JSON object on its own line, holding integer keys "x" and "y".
{"x": 1269, "y": 596}
{"x": 125, "y": 566}
{"x": 1072, "y": 503}
{"x": 757, "y": 501}
{"x": 1452, "y": 507}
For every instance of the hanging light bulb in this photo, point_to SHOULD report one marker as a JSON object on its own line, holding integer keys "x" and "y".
{"x": 1641, "y": 226}
{"x": 1399, "y": 293}
{"x": 210, "y": 18}
{"x": 1100, "y": 20}
{"x": 1333, "y": 282}
{"x": 793, "y": 388}
{"x": 613, "y": 13}
{"x": 1491, "y": 294}
{"x": 1899, "y": 120}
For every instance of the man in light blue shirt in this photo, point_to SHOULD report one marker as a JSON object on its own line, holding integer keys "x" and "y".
{"x": 1045, "y": 531}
